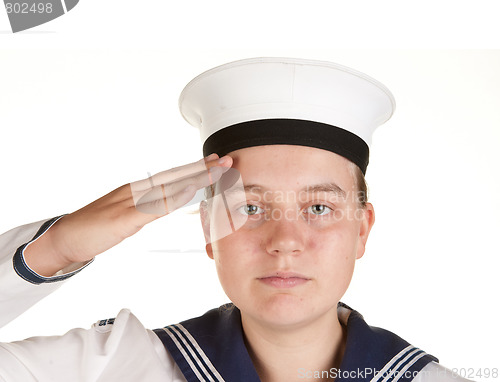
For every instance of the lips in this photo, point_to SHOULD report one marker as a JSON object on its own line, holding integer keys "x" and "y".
{"x": 282, "y": 280}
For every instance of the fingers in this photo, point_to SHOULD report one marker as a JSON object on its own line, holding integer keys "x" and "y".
{"x": 176, "y": 191}
{"x": 159, "y": 203}
{"x": 174, "y": 174}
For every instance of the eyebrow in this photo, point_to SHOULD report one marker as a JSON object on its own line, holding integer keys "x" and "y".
{"x": 321, "y": 187}
{"x": 326, "y": 187}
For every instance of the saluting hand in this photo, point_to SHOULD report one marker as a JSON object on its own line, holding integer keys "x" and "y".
{"x": 93, "y": 229}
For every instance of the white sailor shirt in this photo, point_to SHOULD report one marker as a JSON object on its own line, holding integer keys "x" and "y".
{"x": 207, "y": 348}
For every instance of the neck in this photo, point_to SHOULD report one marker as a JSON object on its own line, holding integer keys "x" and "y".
{"x": 293, "y": 353}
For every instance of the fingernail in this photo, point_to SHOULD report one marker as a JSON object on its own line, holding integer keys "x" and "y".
{"x": 223, "y": 159}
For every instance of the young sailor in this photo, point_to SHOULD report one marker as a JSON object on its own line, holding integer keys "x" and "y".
{"x": 284, "y": 240}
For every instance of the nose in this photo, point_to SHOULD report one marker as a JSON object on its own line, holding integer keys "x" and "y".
{"x": 285, "y": 237}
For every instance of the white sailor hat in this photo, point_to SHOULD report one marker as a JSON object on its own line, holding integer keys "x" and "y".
{"x": 265, "y": 101}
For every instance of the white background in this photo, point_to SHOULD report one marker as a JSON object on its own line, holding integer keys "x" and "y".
{"x": 88, "y": 102}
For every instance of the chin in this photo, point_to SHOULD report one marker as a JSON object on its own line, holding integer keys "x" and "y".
{"x": 283, "y": 310}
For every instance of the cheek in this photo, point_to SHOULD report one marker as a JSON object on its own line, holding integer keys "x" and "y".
{"x": 335, "y": 255}
{"x": 338, "y": 241}
{"x": 236, "y": 256}
{"x": 234, "y": 253}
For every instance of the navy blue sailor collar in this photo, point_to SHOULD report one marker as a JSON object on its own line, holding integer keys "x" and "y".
{"x": 211, "y": 348}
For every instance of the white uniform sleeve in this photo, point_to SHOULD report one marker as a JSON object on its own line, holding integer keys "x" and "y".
{"x": 20, "y": 287}
{"x": 434, "y": 372}
{"x": 120, "y": 350}
{"x": 112, "y": 350}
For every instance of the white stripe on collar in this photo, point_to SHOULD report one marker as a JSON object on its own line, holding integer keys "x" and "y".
{"x": 403, "y": 370}
{"x": 404, "y": 359}
{"x": 195, "y": 351}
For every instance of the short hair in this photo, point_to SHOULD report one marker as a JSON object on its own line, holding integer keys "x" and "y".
{"x": 360, "y": 185}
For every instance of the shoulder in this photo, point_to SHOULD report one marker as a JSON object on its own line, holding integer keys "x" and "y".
{"x": 434, "y": 372}
{"x": 114, "y": 349}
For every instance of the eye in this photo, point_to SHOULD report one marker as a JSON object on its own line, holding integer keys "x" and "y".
{"x": 250, "y": 209}
{"x": 318, "y": 209}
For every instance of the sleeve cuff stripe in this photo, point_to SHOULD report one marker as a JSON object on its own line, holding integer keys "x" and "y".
{"x": 28, "y": 274}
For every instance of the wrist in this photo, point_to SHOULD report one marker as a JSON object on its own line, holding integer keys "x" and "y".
{"x": 42, "y": 255}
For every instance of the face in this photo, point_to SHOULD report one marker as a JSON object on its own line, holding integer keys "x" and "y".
{"x": 293, "y": 258}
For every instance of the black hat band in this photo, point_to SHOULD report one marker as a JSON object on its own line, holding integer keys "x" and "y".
{"x": 289, "y": 132}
